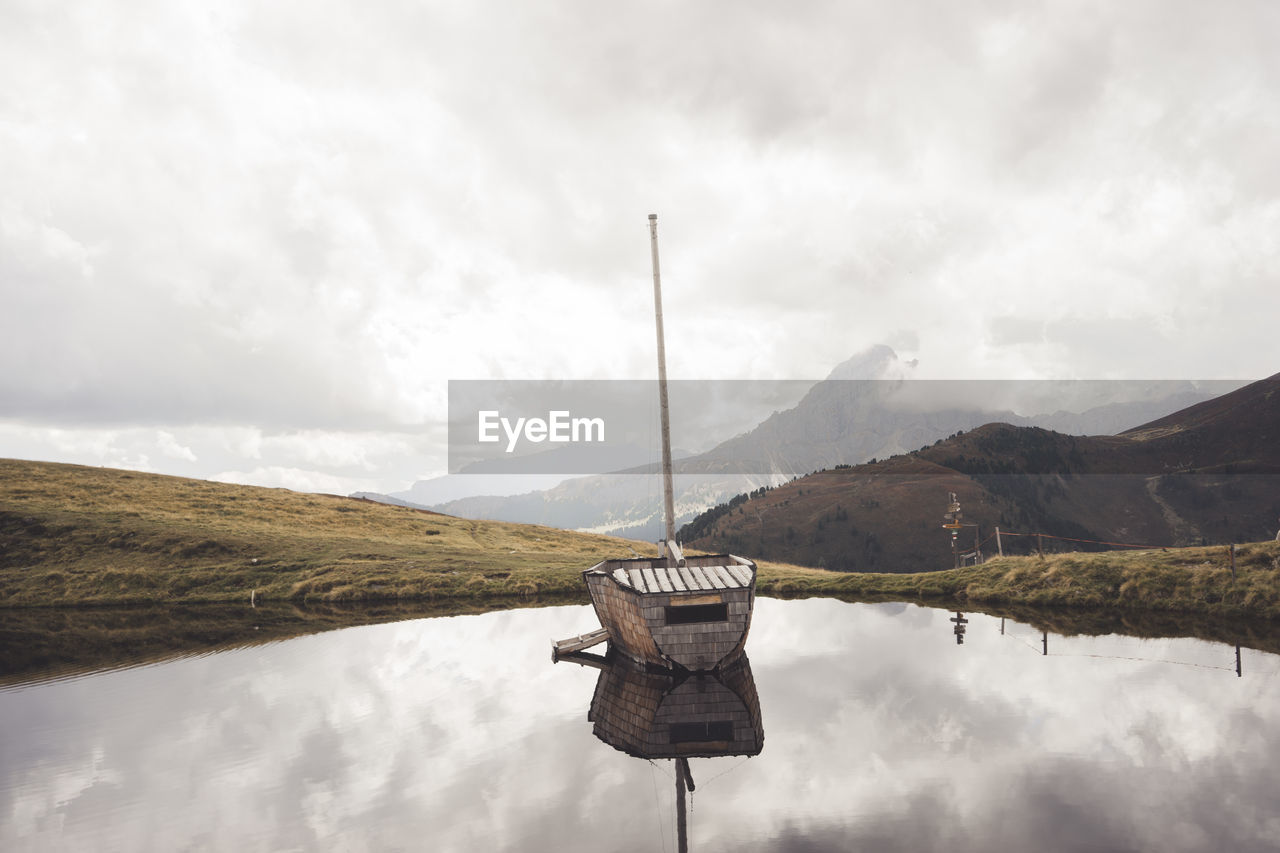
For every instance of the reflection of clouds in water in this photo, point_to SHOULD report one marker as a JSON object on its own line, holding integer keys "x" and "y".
{"x": 458, "y": 734}
{"x": 1005, "y": 732}
{"x": 297, "y": 742}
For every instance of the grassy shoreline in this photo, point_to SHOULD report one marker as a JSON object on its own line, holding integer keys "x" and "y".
{"x": 45, "y": 643}
{"x": 1196, "y": 580}
{"x": 79, "y": 536}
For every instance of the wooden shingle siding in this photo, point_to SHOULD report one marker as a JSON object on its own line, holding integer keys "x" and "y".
{"x": 632, "y": 598}
{"x": 619, "y": 612}
{"x": 702, "y": 645}
{"x": 638, "y": 712}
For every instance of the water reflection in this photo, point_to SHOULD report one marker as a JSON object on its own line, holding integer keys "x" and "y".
{"x": 454, "y": 734}
{"x": 657, "y": 715}
{"x": 664, "y": 715}
{"x": 41, "y": 644}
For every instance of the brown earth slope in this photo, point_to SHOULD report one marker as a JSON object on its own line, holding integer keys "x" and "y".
{"x": 1205, "y": 475}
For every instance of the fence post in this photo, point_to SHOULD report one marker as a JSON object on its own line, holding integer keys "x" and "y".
{"x": 1232, "y": 552}
{"x": 999, "y": 547}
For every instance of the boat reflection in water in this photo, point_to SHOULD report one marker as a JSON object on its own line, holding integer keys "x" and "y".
{"x": 675, "y": 715}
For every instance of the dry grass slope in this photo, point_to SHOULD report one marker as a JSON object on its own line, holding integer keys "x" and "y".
{"x": 77, "y": 535}
{"x": 1175, "y": 580}
{"x": 71, "y": 534}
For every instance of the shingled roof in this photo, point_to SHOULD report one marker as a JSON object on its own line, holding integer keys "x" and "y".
{"x": 684, "y": 578}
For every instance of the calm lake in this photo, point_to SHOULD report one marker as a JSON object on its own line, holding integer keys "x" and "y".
{"x": 880, "y": 732}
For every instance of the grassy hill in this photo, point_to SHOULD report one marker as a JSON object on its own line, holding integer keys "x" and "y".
{"x": 1209, "y": 474}
{"x": 72, "y": 535}
{"x": 75, "y": 534}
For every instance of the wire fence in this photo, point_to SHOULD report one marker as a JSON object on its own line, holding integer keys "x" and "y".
{"x": 981, "y": 552}
{"x": 1041, "y": 648}
{"x": 1004, "y": 533}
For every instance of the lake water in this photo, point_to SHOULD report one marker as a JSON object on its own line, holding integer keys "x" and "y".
{"x": 881, "y": 732}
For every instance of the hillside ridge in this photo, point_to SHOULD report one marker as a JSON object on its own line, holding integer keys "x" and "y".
{"x": 1200, "y": 476}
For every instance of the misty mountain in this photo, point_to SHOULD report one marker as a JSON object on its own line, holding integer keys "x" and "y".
{"x": 492, "y": 480}
{"x": 1204, "y": 474}
{"x": 868, "y": 407}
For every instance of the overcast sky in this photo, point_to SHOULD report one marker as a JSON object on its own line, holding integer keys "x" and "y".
{"x": 253, "y": 241}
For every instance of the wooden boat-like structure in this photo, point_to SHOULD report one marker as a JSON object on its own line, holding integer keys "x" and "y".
{"x": 694, "y": 615}
{"x": 672, "y": 612}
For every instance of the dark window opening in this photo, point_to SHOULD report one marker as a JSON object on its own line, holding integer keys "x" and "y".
{"x": 697, "y": 613}
{"x": 701, "y": 732}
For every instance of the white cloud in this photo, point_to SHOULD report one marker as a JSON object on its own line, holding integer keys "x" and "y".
{"x": 308, "y": 218}
{"x": 170, "y": 447}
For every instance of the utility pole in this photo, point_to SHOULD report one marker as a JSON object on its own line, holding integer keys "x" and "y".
{"x": 951, "y": 521}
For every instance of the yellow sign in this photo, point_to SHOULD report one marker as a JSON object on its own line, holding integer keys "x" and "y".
{"x": 953, "y": 526}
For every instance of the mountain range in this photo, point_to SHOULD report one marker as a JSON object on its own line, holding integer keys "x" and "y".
{"x": 1202, "y": 475}
{"x": 869, "y": 407}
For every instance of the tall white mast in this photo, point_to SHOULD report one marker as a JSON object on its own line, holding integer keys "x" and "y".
{"x": 668, "y": 495}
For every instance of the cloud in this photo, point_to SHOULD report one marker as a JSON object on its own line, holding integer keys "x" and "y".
{"x": 170, "y": 447}
{"x": 310, "y": 218}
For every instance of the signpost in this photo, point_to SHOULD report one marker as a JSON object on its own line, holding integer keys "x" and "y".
{"x": 951, "y": 521}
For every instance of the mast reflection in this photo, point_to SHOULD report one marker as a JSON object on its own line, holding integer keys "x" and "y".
{"x": 677, "y": 716}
